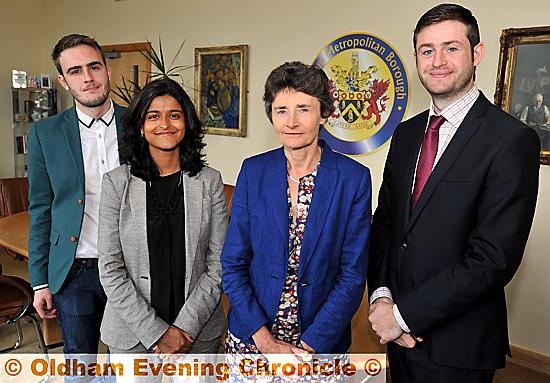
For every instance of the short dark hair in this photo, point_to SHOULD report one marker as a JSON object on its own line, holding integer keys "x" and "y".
{"x": 449, "y": 12}
{"x": 135, "y": 149}
{"x": 71, "y": 41}
{"x": 301, "y": 78}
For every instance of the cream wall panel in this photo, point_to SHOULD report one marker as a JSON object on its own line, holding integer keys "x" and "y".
{"x": 22, "y": 27}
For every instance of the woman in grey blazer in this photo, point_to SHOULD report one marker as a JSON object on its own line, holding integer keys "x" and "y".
{"x": 162, "y": 224}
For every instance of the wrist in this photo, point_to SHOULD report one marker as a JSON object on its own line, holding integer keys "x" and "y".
{"x": 307, "y": 347}
{"x": 262, "y": 338}
{"x": 383, "y": 300}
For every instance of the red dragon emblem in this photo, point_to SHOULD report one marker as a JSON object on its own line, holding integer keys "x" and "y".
{"x": 377, "y": 100}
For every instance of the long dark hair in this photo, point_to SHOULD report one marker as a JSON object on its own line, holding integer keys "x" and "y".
{"x": 135, "y": 149}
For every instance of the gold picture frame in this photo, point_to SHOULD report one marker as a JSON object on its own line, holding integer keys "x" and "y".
{"x": 523, "y": 72}
{"x": 221, "y": 75}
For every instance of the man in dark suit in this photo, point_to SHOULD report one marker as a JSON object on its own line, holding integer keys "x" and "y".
{"x": 68, "y": 155}
{"x": 537, "y": 117}
{"x": 454, "y": 212}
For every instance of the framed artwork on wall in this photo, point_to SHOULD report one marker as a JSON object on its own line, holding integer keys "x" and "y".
{"x": 523, "y": 80}
{"x": 45, "y": 81}
{"x": 220, "y": 89}
{"x": 527, "y": 84}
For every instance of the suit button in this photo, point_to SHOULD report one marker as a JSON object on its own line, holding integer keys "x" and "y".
{"x": 80, "y": 201}
{"x": 404, "y": 246}
{"x": 74, "y": 238}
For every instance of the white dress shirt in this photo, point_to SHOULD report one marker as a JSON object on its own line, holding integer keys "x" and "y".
{"x": 98, "y": 138}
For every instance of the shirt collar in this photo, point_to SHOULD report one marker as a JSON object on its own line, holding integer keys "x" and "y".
{"x": 88, "y": 121}
{"x": 456, "y": 112}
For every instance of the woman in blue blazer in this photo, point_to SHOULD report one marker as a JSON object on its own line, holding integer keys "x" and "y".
{"x": 295, "y": 257}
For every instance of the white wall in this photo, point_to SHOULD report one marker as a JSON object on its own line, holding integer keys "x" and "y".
{"x": 283, "y": 30}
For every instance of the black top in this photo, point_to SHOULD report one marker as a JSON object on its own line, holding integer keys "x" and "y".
{"x": 166, "y": 240}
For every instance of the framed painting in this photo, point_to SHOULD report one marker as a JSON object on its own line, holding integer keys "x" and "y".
{"x": 220, "y": 89}
{"x": 523, "y": 80}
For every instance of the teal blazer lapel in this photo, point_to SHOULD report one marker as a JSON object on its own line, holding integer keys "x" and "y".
{"x": 72, "y": 135}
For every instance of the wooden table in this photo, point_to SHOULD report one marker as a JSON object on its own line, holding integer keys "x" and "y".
{"x": 14, "y": 235}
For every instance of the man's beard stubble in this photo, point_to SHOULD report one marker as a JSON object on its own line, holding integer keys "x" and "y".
{"x": 95, "y": 102}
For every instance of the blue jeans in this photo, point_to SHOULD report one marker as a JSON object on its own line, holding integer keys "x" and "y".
{"x": 80, "y": 304}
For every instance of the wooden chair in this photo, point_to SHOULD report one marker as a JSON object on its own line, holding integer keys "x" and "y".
{"x": 14, "y": 196}
{"x": 15, "y": 305}
{"x": 228, "y": 190}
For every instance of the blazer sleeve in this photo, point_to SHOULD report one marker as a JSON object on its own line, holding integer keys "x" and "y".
{"x": 335, "y": 315}
{"x": 138, "y": 316}
{"x": 495, "y": 247}
{"x": 236, "y": 257}
{"x": 40, "y": 203}
{"x": 379, "y": 245}
{"x": 205, "y": 296}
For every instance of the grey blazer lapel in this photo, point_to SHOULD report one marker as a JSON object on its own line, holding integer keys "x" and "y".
{"x": 193, "y": 199}
{"x": 137, "y": 207}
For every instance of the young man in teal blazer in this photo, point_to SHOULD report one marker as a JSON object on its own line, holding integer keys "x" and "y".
{"x": 68, "y": 155}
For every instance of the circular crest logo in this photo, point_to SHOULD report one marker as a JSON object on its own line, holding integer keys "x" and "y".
{"x": 371, "y": 92}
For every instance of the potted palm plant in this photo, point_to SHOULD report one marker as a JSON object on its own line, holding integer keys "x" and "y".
{"x": 128, "y": 88}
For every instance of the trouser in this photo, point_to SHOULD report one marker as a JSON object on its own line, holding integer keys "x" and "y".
{"x": 415, "y": 366}
{"x": 80, "y": 304}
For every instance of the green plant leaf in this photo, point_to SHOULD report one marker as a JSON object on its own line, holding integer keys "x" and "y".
{"x": 176, "y": 55}
{"x": 127, "y": 91}
{"x": 160, "y": 70}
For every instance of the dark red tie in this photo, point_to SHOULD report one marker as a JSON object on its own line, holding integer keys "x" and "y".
{"x": 427, "y": 157}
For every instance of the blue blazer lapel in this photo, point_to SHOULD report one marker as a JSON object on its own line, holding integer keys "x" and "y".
{"x": 323, "y": 193}
{"x": 276, "y": 188}
{"x": 72, "y": 135}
